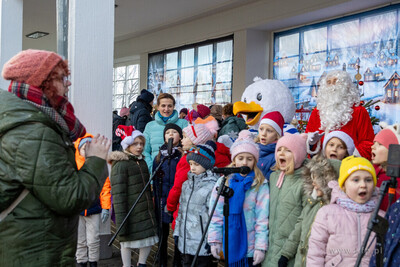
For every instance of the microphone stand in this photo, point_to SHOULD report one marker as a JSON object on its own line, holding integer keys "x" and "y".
{"x": 226, "y": 192}
{"x": 379, "y": 225}
{"x": 137, "y": 200}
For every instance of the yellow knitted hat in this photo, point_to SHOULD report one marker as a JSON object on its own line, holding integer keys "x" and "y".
{"x": 352, "y": 164}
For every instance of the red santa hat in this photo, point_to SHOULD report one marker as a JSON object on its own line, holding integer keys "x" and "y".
{"x": 275, "y": 120}
{"x": 128, "y": 135}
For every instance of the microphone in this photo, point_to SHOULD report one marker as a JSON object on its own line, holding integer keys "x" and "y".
{"x": 393, "y": 169}
{"x": 169, "y": 147}
{"x": 230, "y": 170}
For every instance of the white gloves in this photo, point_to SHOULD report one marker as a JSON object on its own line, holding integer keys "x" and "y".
{"x": 258, "y": 256}
{"x": 313, "y": 138}
{"x": 216, "y": 250}
{"x": 104, "y": 215}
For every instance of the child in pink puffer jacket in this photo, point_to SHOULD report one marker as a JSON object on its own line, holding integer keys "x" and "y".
{"x": 339, "y": 229}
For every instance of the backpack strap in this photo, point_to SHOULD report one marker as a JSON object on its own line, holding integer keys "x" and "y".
{"x": 7, "y": 211}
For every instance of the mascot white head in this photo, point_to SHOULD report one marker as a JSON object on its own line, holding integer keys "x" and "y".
{"x": 263, "y": 96}
{"x": 336, "y": 96}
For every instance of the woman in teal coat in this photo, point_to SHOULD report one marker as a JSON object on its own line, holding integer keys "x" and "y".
{"x": 154, "y": 131}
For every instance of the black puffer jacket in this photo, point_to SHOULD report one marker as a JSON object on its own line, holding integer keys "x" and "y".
{"x": 129, "y": 175}
{"x": 116, "y": 140}
{"x": 139, "y": 115}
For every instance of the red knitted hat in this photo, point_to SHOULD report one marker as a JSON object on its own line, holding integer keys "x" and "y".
{"x": 203, "y": 110}
{"x": 30, "y": 66}
{"x": 275, "y": 120}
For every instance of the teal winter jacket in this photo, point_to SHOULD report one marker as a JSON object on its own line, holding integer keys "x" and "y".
{"x": 154, "y": 132}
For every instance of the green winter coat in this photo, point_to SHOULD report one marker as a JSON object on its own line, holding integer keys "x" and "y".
{"x": 297, "y": 244}
{"x": 129, "y": 175}
{"x": 285, "y": 206}
{"x": 232, "y": 126}
{"x": 36, "y": 154}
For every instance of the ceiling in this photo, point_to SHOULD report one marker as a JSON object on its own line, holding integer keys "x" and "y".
{"x": 132, "y": 17}
{"x": 138, "y": 17}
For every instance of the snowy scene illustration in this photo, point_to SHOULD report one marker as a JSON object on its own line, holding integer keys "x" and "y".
{"x": 368, "y": 45}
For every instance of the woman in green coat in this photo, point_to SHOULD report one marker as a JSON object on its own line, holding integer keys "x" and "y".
{"x": 129, "y": 175}
{"x": 37, "y": 164}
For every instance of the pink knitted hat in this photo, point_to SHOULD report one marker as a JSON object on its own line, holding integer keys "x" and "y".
{"x": 386, "y": 137}
{"x": 200, "y": 133}
{"x": 275, "y": 120}
{"x": 295, "y": 143}
{"x": 30, "y": 66}
{"x": 245, "y": 143}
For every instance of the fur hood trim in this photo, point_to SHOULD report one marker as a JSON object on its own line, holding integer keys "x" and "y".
{"x": 121, "y": 156}
{"x": 323, "y": 171}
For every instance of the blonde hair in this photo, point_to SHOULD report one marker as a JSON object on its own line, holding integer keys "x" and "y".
{"x": 289, "y": 168}
{"x": 258, "y": 175}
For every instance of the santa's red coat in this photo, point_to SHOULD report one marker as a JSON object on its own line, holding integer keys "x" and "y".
{"x": 359, "y": 128}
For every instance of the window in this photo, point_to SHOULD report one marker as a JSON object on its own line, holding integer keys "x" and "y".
{"x": 199, "y": 73}
{"x": 366, "y": 43}
{"x": 126, "y": 86}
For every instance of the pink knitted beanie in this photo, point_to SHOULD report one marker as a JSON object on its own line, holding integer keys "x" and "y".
{"x": 200, "y": 133}
{"x": 387, "y": 137}
{"x": 245, "y": 143}
{"x": 295, "y": 143}
{"x": 30, "y": 66}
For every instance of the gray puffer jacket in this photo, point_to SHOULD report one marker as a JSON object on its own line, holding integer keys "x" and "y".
{"x": 194, "y": 209}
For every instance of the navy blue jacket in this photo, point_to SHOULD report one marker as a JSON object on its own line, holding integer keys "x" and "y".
{"x": 95, "y": 208}
{"x": 267, "y": 159}
{"x": 167, "y": 173}
{"x": 392, "y": 239}
{"x": 139, "y": 115}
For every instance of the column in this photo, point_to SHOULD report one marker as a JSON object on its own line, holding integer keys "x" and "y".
{"x": 10, "y": 33}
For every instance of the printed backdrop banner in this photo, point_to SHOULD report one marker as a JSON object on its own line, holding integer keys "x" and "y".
{"x": 367, "y": 43}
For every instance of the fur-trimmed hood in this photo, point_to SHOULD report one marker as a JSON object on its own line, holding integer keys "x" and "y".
{"x": 323, "y": 170}
{"x": 121, "y": 156}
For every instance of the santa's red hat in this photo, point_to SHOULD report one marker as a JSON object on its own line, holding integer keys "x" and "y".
{"x": 275, "y": 120}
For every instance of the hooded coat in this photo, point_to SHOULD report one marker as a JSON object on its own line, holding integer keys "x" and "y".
{"x": 194, "y": 212}
{"x": 36, "y": 154}
{"x": 129, "y": 175}
{"x": 297, "y": 244}
{"x": 222, "y": 159}
{"x": 337, "y": 234}
{"x": 139, "y": 114}
{"x": 231, "y": 125}
{"x": 286, "y": 204}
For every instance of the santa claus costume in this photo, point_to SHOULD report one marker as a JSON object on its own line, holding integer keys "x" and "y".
{"x": 338, "y": 109}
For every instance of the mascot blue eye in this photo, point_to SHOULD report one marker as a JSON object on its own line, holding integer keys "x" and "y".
{"x": 259, "y": 96}
{"x": 244, "y": 100}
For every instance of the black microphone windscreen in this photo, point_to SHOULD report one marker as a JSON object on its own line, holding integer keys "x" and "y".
{"x": 245, "y": 170}
{"x": 170, "y": 144}
{"x": 393, "y": 162}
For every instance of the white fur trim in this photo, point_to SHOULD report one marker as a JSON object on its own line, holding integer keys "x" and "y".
{"x": 273, "y": 124}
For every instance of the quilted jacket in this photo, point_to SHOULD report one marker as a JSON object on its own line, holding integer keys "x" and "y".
{"x": 36, "y": 154}
{"x": 286, "y": 204}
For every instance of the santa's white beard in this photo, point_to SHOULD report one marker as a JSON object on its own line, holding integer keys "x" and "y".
{"x": 335, "y": 110}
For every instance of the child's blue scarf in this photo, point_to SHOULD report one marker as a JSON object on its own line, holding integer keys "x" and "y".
{"x": 237, "y": 223}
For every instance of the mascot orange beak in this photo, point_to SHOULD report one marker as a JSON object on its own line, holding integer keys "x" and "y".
{"x": 252, "y": 111}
